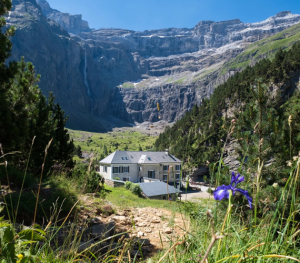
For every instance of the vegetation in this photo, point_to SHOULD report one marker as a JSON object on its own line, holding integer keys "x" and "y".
{"x": 26, "y": 114}
{"x": 265, "y": 127}
{"x": 179, "y": 81}
{"x": 200, "y": 135}
{"x": 134, "y": 188}
{"x": 127, "y": 85}
{"x": 102, "y": 144}
{"x": 265, "y": 48}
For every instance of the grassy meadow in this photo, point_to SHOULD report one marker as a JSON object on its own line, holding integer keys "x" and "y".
{"x": 121, "y": 140}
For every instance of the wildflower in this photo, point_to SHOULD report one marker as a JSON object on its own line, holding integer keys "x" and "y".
{"x": 275, "y": 185}
{"x": 223, "y": 191}
{"x": 233, "y": 121}
{"x": 289, "y": 163}
{"x": 20, "y": 256}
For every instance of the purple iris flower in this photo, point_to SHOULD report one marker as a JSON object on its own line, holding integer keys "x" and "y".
{"x": 223, "y": 191}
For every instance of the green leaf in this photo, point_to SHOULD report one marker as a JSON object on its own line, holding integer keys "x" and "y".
{"x": 32, "y": 235}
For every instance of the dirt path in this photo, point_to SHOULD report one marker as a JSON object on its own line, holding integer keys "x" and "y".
{"x": 156, "y": 228}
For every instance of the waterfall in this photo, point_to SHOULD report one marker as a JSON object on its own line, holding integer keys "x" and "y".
{"x": 87, "y": 85}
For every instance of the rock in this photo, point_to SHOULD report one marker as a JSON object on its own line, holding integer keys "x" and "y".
{"x": 123, "y": 220}
{"x": 84, "y": 245}
{"x": 142, "y": 224}
{"x": 102, "y": 230}
{"x": 177, "y": 67}
{"x": 144, "y": 242}
{"x": 167, "y": 230}
{"x": 107, "y": 209}
{"x": 96, "y": 220}
{"x": 155, "y": 220}
{"x": 140, "y": 234}
{"x": 148, "y": 230}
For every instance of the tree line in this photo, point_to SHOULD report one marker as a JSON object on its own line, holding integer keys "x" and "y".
{"x": 28, "y": 121}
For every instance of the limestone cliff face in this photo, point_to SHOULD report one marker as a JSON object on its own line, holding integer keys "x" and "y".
{"x": 116, "y": 74}
{"x": 72, "y": 23}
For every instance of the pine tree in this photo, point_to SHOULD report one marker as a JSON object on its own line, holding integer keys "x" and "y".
{"x": 25, "y": 113}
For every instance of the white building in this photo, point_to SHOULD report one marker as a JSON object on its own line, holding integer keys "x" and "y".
{"x": 134, "y": 166}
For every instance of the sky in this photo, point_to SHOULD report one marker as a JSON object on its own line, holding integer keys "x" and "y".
{"x": 140, "y": 15}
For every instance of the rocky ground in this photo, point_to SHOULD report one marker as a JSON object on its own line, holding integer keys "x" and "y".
{"x": 152, "y": 227}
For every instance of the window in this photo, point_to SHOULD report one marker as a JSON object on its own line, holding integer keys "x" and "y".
{"x": 116, "y": 169}
{"x": 151, "y": 174}
{"x": 105, "y": 169}
{"x": 124, "y": 158}
{"x": 140, "y": 168}
{"x": 149, "y": 158}
{"x": 126, "y": 169}
{"x": 177, "y": 176}
{"x": 178, "y": 167}
{"x": 165, "y": 177}
{"x": 165, "y": 167}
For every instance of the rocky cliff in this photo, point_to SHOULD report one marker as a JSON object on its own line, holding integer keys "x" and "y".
{"x": 111, "y": 77}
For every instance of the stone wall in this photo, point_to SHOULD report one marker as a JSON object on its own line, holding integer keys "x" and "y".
{"x": 114, "y": 183}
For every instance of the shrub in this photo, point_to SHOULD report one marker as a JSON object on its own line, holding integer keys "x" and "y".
{"x": 128, "y": 185}
{"x": 87, "y": 183}
{"x": 136, "y": 189}
{"x": 93, "y": 184}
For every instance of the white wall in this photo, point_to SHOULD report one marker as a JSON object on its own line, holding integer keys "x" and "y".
{"x": 106, "y": 175}
{"x": 133, "y": 172}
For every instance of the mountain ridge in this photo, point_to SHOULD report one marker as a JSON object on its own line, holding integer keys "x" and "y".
{"x": 122, "y": 73}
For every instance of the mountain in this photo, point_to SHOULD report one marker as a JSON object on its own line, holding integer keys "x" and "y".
{"x": 112, "y": 77}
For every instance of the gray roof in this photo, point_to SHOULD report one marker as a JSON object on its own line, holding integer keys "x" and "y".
{"x": 127, "y": 157}
{"x": 158, "y": 188}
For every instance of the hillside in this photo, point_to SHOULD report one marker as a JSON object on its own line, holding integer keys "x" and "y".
{"x": 265, "y": 48}
{"x": 198, "y": 138}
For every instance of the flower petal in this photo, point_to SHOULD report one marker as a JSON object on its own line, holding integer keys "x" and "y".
{"x": 240, "y": 179}
{"x": 222, "y": 192}
{"x": 246, "y": 194}
{"x": 233, "y": 178}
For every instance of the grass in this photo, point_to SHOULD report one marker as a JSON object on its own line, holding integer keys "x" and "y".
{"x": 122, "y": 140}
{"x": 203, "y": 74}
{"x": 179, "y": 81}
{"x": 127, "y": 85}
{"x": 121, "y": 197}
{"x": 264, "y": 48}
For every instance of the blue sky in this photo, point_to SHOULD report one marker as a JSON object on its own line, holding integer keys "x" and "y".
{"x": 156, "y": 14}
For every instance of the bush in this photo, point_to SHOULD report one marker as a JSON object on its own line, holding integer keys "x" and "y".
{"x": 87, "y": 183}
{"x": 136, "y": 189}
{"x": 93, "y": 183}
{"x": 128, "y": 185}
